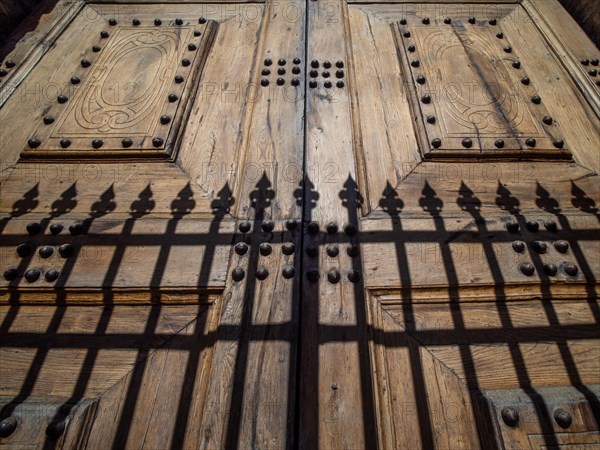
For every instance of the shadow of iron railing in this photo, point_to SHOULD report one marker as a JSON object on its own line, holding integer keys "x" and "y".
{"x": 304, "y": 369}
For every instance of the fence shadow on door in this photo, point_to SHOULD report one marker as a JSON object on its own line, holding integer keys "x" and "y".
{"x": 262, "y": 198}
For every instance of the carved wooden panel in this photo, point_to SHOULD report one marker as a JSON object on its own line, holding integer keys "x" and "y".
{"x": 129, "y": 95}
{"x": 474, "y": 90}
{"x": 436, "y": 360}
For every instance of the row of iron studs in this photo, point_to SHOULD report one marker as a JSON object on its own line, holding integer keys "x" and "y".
{"x": 289, "y": 248}
{"x": 592, "y": 72}
{"x": 540, "y": 247}
{"x": 25, "y": 250}
{"x": 296, "y": 70}
{"x": 426, "y": 99}
{"x": 86, "y": 63}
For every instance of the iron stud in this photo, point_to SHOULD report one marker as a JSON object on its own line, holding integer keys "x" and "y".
{"x": 512, "y": 227}
{"x": 539, "y": 246}
{"x": 426, "y": 99}
{"x": 313, "y": 228}
{"x": 561, "y": 246}
{"x": 313, "y": 84}
{"x": 508, "y": 49}
{"x": 85, "y": 63}
{"x": 280, "y": 81}
{"x": 296, "y": 70}
{"x": 333, "y": 250}
{"x": 431, "y": 119}
{"x": 499, "y": 143}
{"x": 46, "y": 251}
{"x": 97, "y": 143}
{"x": 312, "y": 275}
{"x": 550, "y": 269}
{"x": 264, "y": 82}
{"x": 493, "y": 22}
{"x": 96, "y": 48}
{"x": 531, "y": 142}
{"x": 32, "y": 275}
{"x": 339, "y": 74}
{"x": 157, "y": 22}
{"x": 518, "y": 246}
{"x": 527, "y": 269}
{"x": 516, "y": 64}
{"x": 558, "y": 143}
{"x": 467, "y": 143}
{"x": 66, "y": 250}
{"x": 52, "y": 275}
{"x": 282, "y": 62}
{"x": 426, "y": 21}
{"x": 354, "y": 276}
{"x": 547, "y": 120}
{"x": 415, "y": 63}
{"x": 281, "y": 71}
{"x": 562, "y": 418}
{"x": 33, "y": 228}
{"x": 288, "y": 248}
{"x": 56, "y": 228}
{"x": 11, "y": 274}
{"x": 550, "y": 225}
{"x": 288, "y": 271}
{"x": 65, "y": 143}
{"x": 34, "y": 143}
{"x": 172, "y": 98}
{"x": 339, "y": 64}
{"x": 533, "y": 226}
{"x": 295, "y": 82}
{"x": 192, "y": 47}
{"x": 265, "y": 249}
{"x": 334, "y": 276}
{"x": 48, "y": 120}
{"x": 10, "y": 63}
{"x": 412, "y": 48}
{"x": 165, "y": 119}
{"x": 332, "y": 228}
{"x": 244, "y": 226}
{"x": 340, "y": 84}
{"x": 75, "y": 80}
{"x": 136, "y": 22}
{"x": 238, "y": 274}
{"x": 291, "y": 224}
{"x": 314, "y": 64}
{"x": 157, "y": 142}
{"x": 510, "y": 416}
{"x": 350, "y": 229}
{"x": 179, "y": 79}
{"x": 421, "y": 79}
{"x": 500, "y": 35}
{"x": 241, "y": 248}
{"x": 447, "y": 20}
{"x": 112, "y": 22}
{"x": 104, "y": 34}
{"x": 77, "y": 229}
{"x": 403, "y": 22}
{"x": 262, "y": 274}
{"x": 406, "y": 34}
{"x": 201, "y": 20}
{"x": 185, "y": 62}
{"x": 62, "y": 99}
{"x": 436, "y": 143}
{"x": 472, "y": 20}
{"x": 178, "y": 21}
{"x": 24, "y": 250}
{"x": 55, "y": 429}
{"x": 536, "y": 99}
{"x": 326, "y": 74}
{"x": 7, "y": 427}
{"x": 525, "y": 81}
{"x": 571, "y": 269}
{"x": 297, "y": 61}
{"x": 126, "y": 143}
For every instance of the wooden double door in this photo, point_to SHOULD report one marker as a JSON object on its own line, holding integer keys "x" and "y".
{"x": 300, "y": 224}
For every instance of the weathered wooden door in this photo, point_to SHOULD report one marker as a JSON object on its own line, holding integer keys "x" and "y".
{"x": 300, "y": 224}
